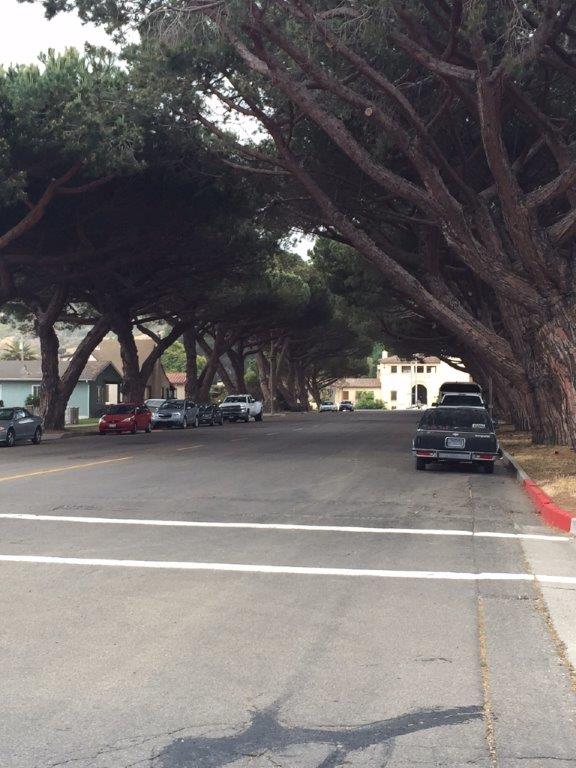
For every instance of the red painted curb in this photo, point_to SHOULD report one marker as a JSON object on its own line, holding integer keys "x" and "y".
{"x": 551, "y": 513}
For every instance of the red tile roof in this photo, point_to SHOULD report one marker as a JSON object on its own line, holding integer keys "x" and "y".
{"x": 176, "y": 378}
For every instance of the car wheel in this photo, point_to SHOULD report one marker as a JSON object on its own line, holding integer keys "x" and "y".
{"x": 37, "y": 439}
{"x": 247, "y": 419}
{"x": 420, "y": 464}
{"x": 184, "y": 424}
{"x": 259, "y": 417}
{"x": 489, "y": 468}
{"x": 10, "y": 438}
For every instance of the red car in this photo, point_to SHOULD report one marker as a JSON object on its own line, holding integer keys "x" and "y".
{"x": 126, "y": 417}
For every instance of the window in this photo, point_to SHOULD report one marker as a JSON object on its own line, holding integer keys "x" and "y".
{"x": 393, "y": 395}
{"x": 100, "y": 393}
{"x": 430, "y": 369}
{"x": 345, "y": 395}
{"x": 405, "y": 369}
{"x": 419, "y": 369}
{"x": 36, "y": 390}
{"x": 393, "y": 369}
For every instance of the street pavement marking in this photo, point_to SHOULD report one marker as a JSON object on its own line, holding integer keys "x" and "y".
{"x": 278, "y": 526}
{"x": 64, "y": 469}
{"x": 286, "y": 569}
{"x": 188, "y": 448}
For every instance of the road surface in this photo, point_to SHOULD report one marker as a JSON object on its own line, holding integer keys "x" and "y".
{"x": 266, "y": 642}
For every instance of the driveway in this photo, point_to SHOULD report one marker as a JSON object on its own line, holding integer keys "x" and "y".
{"x": 291, "y": 593}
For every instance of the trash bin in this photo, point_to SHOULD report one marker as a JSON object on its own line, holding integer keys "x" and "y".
{"x": 72, "y": 415}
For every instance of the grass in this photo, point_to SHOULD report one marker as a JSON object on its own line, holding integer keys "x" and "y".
{"x": 83, "y": 423}
{"x": 553, "y": 467}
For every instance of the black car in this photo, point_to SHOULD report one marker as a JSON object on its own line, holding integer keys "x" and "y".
{"x": 208, "y": 413}
{"x": 456, "y": 434}
{"x": 346, "y": 405}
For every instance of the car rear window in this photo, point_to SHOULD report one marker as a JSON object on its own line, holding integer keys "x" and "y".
{"x": 455, "y": 418}
{"x": 6, "y": 414}
{"x": 114, "y": 410}
{"x": 173, "y": 405}
{"x": 462, "y": 400}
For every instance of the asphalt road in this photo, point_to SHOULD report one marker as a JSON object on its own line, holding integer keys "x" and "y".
{"x": 174, "y": 646}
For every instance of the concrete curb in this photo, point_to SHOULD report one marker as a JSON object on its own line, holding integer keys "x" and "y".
{"x": 552, "y": 514}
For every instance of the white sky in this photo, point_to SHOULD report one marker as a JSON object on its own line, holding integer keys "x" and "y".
{"x": 25, "y": 32}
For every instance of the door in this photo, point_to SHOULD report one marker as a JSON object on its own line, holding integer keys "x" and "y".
{"x": 24, "y": 424}
{"x": 191, "y": 411}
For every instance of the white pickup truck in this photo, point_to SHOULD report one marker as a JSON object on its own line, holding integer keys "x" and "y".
{"x": 241, "y": 408}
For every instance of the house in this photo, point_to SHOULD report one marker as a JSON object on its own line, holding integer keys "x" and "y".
{"x": 405, "y": 383}
{"x": 178, "y": 384}
{"x": 157, "y": 385}
{"x": 356, "y": 389}
{"x": 98, "y": 384}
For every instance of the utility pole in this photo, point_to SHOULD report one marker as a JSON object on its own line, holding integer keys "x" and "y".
{"x": 271, "y": 380}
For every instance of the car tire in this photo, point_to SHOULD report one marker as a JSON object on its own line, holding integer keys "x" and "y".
{"x": 184, "y": 424}
{"x": 247, "y": 419}
{"x": 10, "y": 438}
{"x": 259, "y": 417}
{"x": 488, "y": 468}
{"x": 37, "y": 439}
{"x": 420, "y": 463}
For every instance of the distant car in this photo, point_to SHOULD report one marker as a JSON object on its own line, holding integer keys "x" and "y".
{"x": 327, "y": 405}
{"x": 126, "y": 417}
{"x": 19, "y": 424}
{"x": 154, "y": 403}
{"x": 457, "y": 400}
{"x": 456, "y": 434}
{"x": 208, "y": 413}
{"x": 241, "y": 408}
{"x": 346, "y": 405}
{"x": 176, "y": 413}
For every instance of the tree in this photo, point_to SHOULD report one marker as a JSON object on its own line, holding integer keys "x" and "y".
{"x": 457, "y": 185}
{"x": 17, "y": 350}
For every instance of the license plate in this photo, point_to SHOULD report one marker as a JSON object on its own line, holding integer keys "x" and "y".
{"x": 455, "y": 442}
{"x": 111, "y": 426}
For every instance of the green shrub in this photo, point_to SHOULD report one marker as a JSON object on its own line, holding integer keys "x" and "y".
{"x": 32, "y": 401}
{"x": 372, "y": 403}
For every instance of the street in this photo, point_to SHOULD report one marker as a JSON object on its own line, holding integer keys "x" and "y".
{"x": 160, "y": 644}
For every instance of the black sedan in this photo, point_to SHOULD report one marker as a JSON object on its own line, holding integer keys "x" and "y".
{"x": 456, "y": 434}
{"x": 211, "y": 414}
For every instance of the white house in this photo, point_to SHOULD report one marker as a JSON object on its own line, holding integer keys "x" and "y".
{"x": 404, "y": 383}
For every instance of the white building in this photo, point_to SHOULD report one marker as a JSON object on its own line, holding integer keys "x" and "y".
{"x": 400, "y": 383}
{"x": 404, "y": 383}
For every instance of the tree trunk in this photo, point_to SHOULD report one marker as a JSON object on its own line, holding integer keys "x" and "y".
{"x": 52, "y": 402}
{"x": 264, "y": 376}
{"x": 209, "y": 371}
{"x": 189, "y": 341}
{"x": 236, "y": 357}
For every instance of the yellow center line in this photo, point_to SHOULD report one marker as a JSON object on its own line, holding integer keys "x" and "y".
{"x": 188, "y": 448}
{"x": 63, "y": 469}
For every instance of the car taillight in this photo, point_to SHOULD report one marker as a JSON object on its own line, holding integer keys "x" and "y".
{"x": 425, "y": 453}
{"x": 484, "y": 456}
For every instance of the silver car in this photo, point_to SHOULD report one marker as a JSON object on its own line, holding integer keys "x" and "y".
{"x": 19, "y": 424}
{"x": 176, "y": 413}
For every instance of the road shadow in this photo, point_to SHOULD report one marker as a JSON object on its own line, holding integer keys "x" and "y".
{"x": 265, "y": 734}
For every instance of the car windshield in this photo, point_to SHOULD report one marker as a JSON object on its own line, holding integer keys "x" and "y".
{"x": 462, "y": 400}
{"x": 327, "y": 402}
{"x": 235, "y": 399}
{"x": 115, "y": 410}
{"x": 455, "y": 418}
{"x": 154, "y": 403}
{"x": 173, "y": 405}
{"x": 6, "y": 414}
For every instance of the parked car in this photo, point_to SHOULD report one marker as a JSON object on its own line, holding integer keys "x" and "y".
{"x": 176, "y": 413}
{"x": 19, "y": 424}
{"x": 209, "y": 413}
{"x": 241, "y": 408}
{"x": 346, "y": 405}
{"x": 456, "y": 434}
{"x": 125, "y": 417}
{"x": 327, "y": 405}
{"x": 154, "y": 403}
